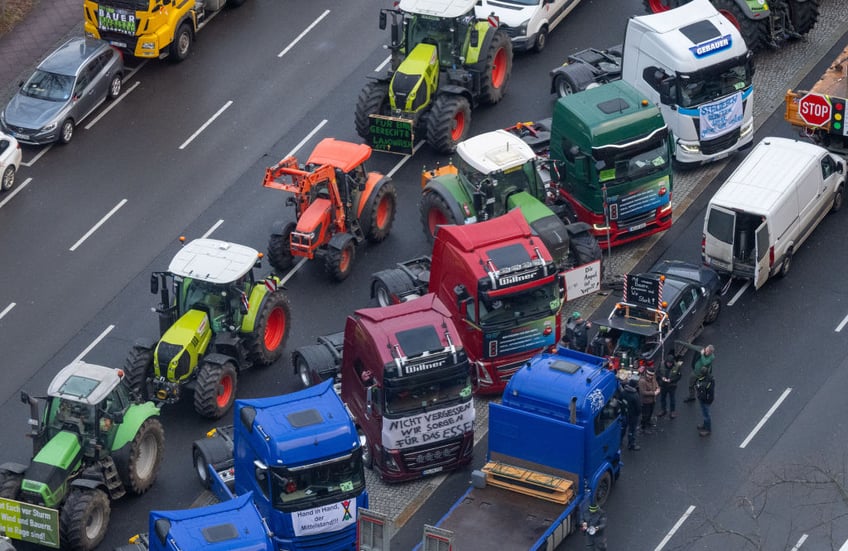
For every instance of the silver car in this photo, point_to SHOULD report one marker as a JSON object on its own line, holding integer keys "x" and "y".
{"x": 65, "y": 88}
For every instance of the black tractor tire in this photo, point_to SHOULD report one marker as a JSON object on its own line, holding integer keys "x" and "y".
{"x": 8, "y": 180}
{"x": 271, "y": 330}
{"x": 372, "y": 100}
{"x": 137, "y": 368}
{"x": 66, "y": 132}
{"x": 381, "y": 209}
{"x": 448, "y": 122}
{"x": 803, "y": 15}
{"x": 389, "y": 285}
{"x": 584, "y": 247}
{"x": 279, "y": 250}
{"x": 180, "y": 48}
{"x": 146, "y": 451}
{"x": 10, "y": 484}
{"x": 310, "y": 362}
{"x": 576, "y": 78}
{"x": 755, "y": 33}
{"x": 215, "y": 390}
{"x": 338, "y": 261}
{"x": 84, "y": 519}
{"x": 541, "y": 40}
{"x": 498, "y": 69}
{"x": 434, "y": 212}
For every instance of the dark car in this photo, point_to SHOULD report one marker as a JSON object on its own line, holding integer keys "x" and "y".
{"x": 638, "y": 334}
{"x": 64, "y": 89}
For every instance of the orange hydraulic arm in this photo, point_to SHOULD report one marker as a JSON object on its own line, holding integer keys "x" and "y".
{"x": 307, "y": 185}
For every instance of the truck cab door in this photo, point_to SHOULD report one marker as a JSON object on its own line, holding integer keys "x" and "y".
{"x": 761, "y": 250}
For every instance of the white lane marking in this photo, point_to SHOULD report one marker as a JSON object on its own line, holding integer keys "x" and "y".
{"x": 7, "y": 309}
{"x": 293, "y": 271}
{"x": 308, "y": 137}
{"x": 765, "y": 418}
{"x": 214, "y": 227}
{"x": 37, "y": 156}
{"x": 841, "y": 325}
{"x": 844, "y": 546}
{"x": 111, "y": 105}
{"x": 98, "y": 224}
{"x": 15, "y": 192}
{"x": 383, "y": 64}
{"x": 207, "y": 123}
{"x": 94, "y": 343}
{"x": 798, "y": 545}
{"x": 675, "y": 528}
{"x": 738, "y": 293}
{"x": 301, "y": 35}
{"x": 403, "y": 161}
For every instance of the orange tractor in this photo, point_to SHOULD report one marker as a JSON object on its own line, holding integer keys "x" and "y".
{"x": 337, "y": 204}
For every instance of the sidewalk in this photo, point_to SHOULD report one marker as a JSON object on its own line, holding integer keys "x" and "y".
{"x": 41, "y": 31}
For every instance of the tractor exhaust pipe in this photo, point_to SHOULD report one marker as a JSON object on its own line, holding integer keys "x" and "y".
{"x": 34, "y": 422}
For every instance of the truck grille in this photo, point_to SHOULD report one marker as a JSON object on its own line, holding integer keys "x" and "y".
{"x": 722, "y": 143}
{"x": 636, "y": 220}
{"x": 507, "y": 370}
{"x": 419, "y": 459}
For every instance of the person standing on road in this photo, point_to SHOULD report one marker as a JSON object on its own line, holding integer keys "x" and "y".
{"x": 577, "y": 332}
{"x": 669, "y": 375}
{"x": 632, "y": 409}
{"x": 703, "y": 364}
{"x": 648, "y": 392}
{"x": 705, "y": 389}
{"x": 594, "y": 525}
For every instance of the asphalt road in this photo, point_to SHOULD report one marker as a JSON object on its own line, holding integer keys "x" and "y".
{"x": 94, "y": 300}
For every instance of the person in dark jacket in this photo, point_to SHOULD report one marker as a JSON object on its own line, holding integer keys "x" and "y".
{"x": 648, "y": 392}
{"x": 669, "y": 376}
{"x": 594, "y": 525}
{"x": 703, "y": 365}
{"x": 577, "y": 332}
{"x": 632, "y": 409}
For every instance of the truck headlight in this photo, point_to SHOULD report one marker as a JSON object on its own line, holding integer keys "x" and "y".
{"x": 600, "y": 227}
{"x": 747, "y": 128}
{"x": 522, "y": 29}
{"x": 148, "y": 46}
{"x": 689, "y": 147}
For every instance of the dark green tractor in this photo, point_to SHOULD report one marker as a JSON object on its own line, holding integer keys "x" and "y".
{"x": 215, "y": 320}
{"x": 91, "y": 444}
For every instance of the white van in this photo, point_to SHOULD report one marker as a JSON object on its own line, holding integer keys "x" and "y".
{"x": 527, "y": 22}
{"x": 767, "y": 208}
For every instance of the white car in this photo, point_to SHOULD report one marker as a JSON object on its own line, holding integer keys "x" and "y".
{"x": 10, "y": 161}
{"x": 527, "y": 22}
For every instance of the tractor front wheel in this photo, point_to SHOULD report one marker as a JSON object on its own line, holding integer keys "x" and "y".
{"x": 137, "y": 367}
{"x": 216, "y": 389}
{"x": 380, "y": 212}
{"x": 10, "y": 484}
{"x": 279, "y": 250}
{"x": 373, "y": 100}
{"x": 434, "y": 212}
{"x": 339, "y": 258}
{"x": 448, "y": 122}
{"x": 755, "y": 33}
{"x": 803, "y": 14}
{"x": 271, "y": 330}
{"x": 498, "y": 69}
{"x": 84, "y": 519}
{"x": 146, "y": 451}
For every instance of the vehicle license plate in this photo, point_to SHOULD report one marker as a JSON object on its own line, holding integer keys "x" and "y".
{"x": 117, "y": 44}
{"x": 637, "y": 226}
{"x": 434, "y": 470}
{"x": 20, "y": 136}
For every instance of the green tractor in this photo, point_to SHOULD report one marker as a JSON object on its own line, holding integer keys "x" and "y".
{"x": 215, "y": 320}
{"x": 444, "y": 62}
{"x": 91, "y": 444}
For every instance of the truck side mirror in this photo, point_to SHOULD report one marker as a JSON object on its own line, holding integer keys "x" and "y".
{"x": 162, "y": 526}
{"x": 562, "y": 286}
{"x": 475, "y": 37}
{"x": 154, "y": 284}
{"x": 117, "y": 417}
{"x": 665, "y": 92}
{"x": 395, "y": 34}
{"x": 369, "y": 400}
{"x": 246, "y": 415}
{"x": 260, "y": 470}
{"x": 581, "y": 167}
{"x": 382, "y": 20}
{"x": 24, "y": 397}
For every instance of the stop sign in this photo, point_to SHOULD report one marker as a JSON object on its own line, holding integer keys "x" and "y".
{"x": 814, "y": 109}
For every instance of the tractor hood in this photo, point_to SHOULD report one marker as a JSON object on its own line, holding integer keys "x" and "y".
{"x": 547, "y": 225}
{"x": 60, "y": 457}
{"x": 181, "y": 346}
{"x": 408, "y": 89}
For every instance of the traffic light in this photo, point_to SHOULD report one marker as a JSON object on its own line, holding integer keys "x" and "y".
{"x": 837, "y": 117}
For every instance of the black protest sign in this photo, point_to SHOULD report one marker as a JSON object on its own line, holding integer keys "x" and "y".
{"x": 642, "y": 291}
{"x": 391, "y": 134}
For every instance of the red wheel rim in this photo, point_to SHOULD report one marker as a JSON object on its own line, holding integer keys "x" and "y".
{"x": 499, "y": 68}
{"x": 225, "y": 391}
{"x": 275, "y": 328}
{"x": 435, "y": 218}
{"x": 384, "y": 210}
{"x": 657, "y": 6}
{"x": 730, "y": 17}
{"x": 344, "y": 260}
{"x": 458, "y": 126}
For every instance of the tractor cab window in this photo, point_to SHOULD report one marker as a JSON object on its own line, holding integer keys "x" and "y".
{"x": 213, "y": 299}
{"x": 74, "y": 417}
{"x": 431, "y": 30}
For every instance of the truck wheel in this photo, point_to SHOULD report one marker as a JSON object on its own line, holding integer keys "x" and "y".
{"x": 339, "y": 259}
{"x": 434, "y": 212}
{"x": 115, "y": 86}
{"x": 201, "y": 463}
{"x": 271, "y": 330}
{"x": 137, "y": 367}
{"x": 367, "y": 456}
{"x": 311, "y": 362}
{"x": 448, "y": 122}
{"x": 786, "y": 264}
{"x": 84, "y": 519}
{"x": 372, "y": 100}
{"x": 8, "y": 180}
{"x": 838, "y": 197}
{"x": 541, "y": 40}
{"x": 497, "y": 70}
{"x": 389, "y": 285}
{"x": 279, "y": 250}
{"x": 381, "y": 209}
{"x": 803, "y": 15}
{"x": 603, "y": 489}
{"x": 755, "y": 33}
{"x": 181, "y": 46}
{"x": 713, "y": 310}
{"x": 146, "y": 451}
{"x": 66, "y": 133}
{"x": 216, "y": 389}
{"x": 572, "y": 79}
{"x": 10, "y": 484}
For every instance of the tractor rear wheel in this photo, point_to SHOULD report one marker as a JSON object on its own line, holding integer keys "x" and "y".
{"x": 803, "y": 15}
{"x": 146, "y": 451}
{"x": 755, "y": 33}
{"x": 279, "y": 249}
{"x": 84, "y": 519}
{"x": 216, "y": 389}
{"x": 448, "y": 122}
{"x": 498, "y": 69}
{"x": 10, "y": 484}
{"x": 380, "y": 213}
{"x": 137, "y": 367}
{"x": 271, "y": 329}
{"x": 434, "y": 212}
{"x": 339, "y": 258}
{"x": 584, "y": 246}
{"x": 373, "y": 100}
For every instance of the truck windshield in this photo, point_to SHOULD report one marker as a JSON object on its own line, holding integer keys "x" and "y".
{"x": 716, "y": 81}
{"x": 413, "y": 395}
{"x": 319, "y": 484}
{"x": 519, "y": 307}
{"x": 627, "y": 162}
{"x": 135, "y": 5}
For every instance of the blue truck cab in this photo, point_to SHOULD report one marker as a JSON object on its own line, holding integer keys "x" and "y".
{"x": 300, "y": 456}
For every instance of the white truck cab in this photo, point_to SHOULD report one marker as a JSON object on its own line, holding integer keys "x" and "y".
{"x": 694, "y": 64}
{"x": 527, "y": 22}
